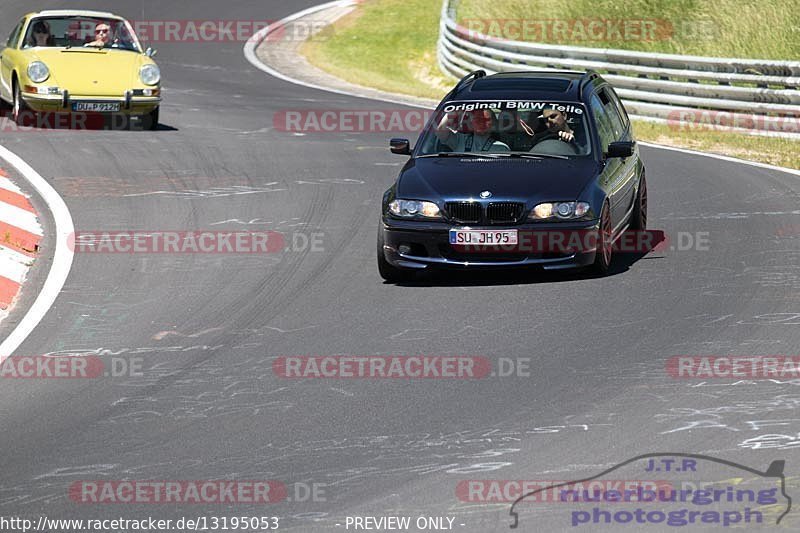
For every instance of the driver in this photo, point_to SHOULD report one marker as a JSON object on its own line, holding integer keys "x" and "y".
{"x": 556, "y": 122}
{"x": 479, "y": 136}
{"x": 102, "y": 35}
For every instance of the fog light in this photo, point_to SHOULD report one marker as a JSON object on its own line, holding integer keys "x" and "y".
{"x": 404, "y": 249}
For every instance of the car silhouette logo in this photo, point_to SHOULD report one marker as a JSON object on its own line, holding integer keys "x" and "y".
{"x": 486, "y": 194}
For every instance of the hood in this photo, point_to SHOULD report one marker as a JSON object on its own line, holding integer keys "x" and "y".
{"x": 527, "y": 180}
{"x": 88, "y": 72}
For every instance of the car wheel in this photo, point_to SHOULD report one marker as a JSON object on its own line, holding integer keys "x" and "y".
{"x": 150, "y": 120}
{"x": 603, "y": 255}
{"x": 390, "y": 273}
{"x": 19, "y": 109}
{"x": 639, "y": 216}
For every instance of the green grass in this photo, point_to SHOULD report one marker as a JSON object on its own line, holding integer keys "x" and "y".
{"x": 772, "y": 150}
{"x": 765, "y": 29}
{"x": 391, "y": 45}
{"x": 386, "y": 44}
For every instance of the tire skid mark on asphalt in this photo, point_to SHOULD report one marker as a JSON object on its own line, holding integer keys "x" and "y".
{"x": 181, "y": 184}
{"x": 267, "y": 293}
{"x": 269, "y": 299}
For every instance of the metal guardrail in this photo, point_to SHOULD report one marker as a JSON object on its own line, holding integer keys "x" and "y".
{"x": 750, "y": 95}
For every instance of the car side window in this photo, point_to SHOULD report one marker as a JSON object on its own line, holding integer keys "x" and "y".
{"x": 619, "y": 107}
{"x": 612, "y": 113}
{"x": 14, "y": 37}
{"x": 604, "y": 127}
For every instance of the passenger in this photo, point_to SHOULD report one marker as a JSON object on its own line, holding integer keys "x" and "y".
{"x": 478, "y": 135}
{"x": 40, "y": 34}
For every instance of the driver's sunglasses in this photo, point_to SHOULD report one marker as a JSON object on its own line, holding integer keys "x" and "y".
{"x": 101, "y": 31}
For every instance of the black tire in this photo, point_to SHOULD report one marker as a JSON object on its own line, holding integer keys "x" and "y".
{"x": 390, "y": 273}
{"x": 639, "y": 215}
{"x": 604, "y": 255}
{"x": 150, "y": 120}
{"x": 20, "y": 112}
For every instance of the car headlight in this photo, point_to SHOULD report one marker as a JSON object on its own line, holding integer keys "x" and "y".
{"x": 562, "y": 210}
{"x": 150, "y": 74}
{"x": 38, "y": 72}
{"x": 414, "y": 208}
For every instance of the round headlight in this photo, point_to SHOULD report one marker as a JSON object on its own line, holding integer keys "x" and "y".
{"x": 150, "y": 74}
{"x": 38, "y": 72}
{"x": 413, "y": 208}
{"x": 564, "y": 209}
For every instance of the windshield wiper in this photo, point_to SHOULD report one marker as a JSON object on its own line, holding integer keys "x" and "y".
{"x": 551, "y": 156}
{"x": 523, "y": 155}
{"x": 496, "y": 155}
{"x": 481, "y": 155}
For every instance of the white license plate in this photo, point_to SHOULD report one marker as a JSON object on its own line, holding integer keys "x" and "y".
{"x": 96, "y": 107}
{"x": 484, "y": 237}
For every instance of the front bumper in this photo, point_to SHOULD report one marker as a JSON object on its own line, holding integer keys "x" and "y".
{"x": 62, "y": 103}
{"x": 429, "y": 247}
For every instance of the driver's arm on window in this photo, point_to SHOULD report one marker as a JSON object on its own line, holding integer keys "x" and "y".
{"x": 445, "y": 131}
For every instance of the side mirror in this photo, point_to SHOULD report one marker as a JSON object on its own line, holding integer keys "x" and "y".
{"x": 620, "y": 149}
{"x": 400, "y": 146}
{"x": 150, "y": 52}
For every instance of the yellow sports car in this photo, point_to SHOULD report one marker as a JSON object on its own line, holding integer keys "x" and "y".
{"x": 68, "y": 61}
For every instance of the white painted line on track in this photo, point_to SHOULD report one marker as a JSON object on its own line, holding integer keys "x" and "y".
{"x": 62, "y": 258}
{"x": 8, "y": 185}
{"x": 255, "y": 41}
{"x": 20, "y": 218}
{"x": 724, "y": 157}
{"x": 13, "y": 265}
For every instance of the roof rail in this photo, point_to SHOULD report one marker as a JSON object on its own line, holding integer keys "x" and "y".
{"x": 586, "y": 78}
{"x": 474, "y": 75}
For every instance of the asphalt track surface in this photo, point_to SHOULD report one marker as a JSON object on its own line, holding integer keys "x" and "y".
{"x": 207, "y": 328}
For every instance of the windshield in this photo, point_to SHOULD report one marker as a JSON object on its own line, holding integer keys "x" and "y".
{"x": 531, "y": 127}
{"x": 112, "y": 34}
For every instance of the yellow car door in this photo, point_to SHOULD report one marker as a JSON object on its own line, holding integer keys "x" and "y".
{"x": 8, "y": 58}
